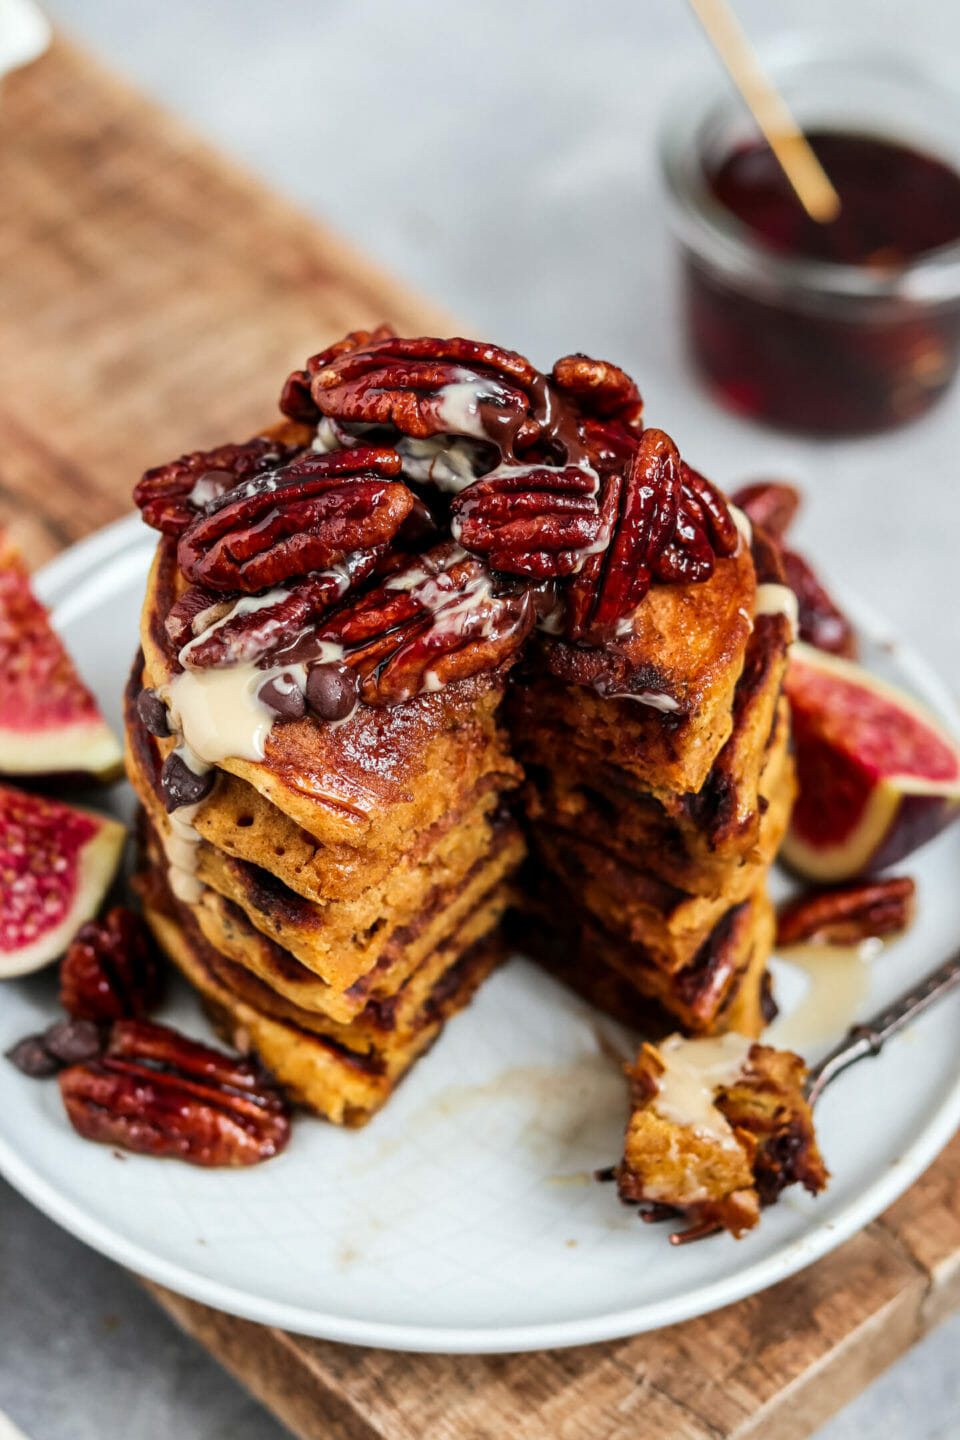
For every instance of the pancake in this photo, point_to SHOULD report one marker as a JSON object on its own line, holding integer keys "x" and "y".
{"x": 715, "y": 1161}
{"x": 371, "y": 782}
{"x": 636, "y": 828}
{"x": 343, "y": 1084}
{"x": 623, "y": 978}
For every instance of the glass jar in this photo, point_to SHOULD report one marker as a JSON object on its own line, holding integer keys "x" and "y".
{"x": 805, "y": 344}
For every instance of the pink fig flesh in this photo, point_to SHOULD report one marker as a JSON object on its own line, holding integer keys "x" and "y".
{"x": 50, "y": 723}
{"x": 878, "y": 775}
{"x": 56, "y": 863}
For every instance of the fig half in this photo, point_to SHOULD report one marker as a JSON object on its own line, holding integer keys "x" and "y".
{"x": 878, "y": 774}
{"x": 56, "y": 864}
{"x": 50, "y": 724}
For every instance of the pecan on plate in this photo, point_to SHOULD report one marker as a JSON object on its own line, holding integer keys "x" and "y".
{"x": 158, "y": 1093}
{"x": 771, "y": 504}
{"x": 110, "y": 969}
{"x": 821, "y": 621}
{"x": 597, "y": 389}
{"x": 848, "y": 915}
{"x": 639, "y": 507}
{"x": 170, "y": 496}
{"x": 536, "y": 520}
{"x": 428, "y": 386}
{"x": 441, "y": 618}
{"x": 308, "y": 515}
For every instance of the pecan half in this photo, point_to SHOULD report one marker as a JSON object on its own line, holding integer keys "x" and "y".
{"x": 157, "y": 1093}
{"x": 597, "y": 388}
{"x": 771, "y": 504}
{"x": 429, "y": 386}
{"x": 535, "y": 520}
{"x": 639, "y": 511}
{"x": 295, "y": 398}
{"x": 110, "y": 970}
{"x": 239, "y": 633}
{"x": 849, "y": 915}
{"x": 309, "y": 515}
{"x": 821, "y": 621}
{"x": 440, "y": 618}
{"x": 170, "y": 496}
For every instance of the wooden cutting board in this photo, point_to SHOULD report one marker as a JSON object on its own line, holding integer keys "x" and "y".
{"x": 150, "y": 297}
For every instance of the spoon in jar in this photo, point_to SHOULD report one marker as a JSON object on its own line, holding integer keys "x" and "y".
{"x": 768, "y": 107}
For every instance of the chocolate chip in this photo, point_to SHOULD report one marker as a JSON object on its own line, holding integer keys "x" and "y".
{"x": 153, "y": 713}
{"x": 284, "y": 697}
{"x": 331, "y": 690}
{"x": 31, "y": 1057}
{"x": 181, "y": 785}
{"x": 73, "y": 1041}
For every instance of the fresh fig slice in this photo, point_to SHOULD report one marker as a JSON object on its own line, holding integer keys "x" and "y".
{"x": 50, "y": 724}
{"x": 878, "y": 775}
{"x": 56, "y": 863}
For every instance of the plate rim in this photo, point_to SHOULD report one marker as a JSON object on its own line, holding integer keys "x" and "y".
{"x": 819, "y": 1240}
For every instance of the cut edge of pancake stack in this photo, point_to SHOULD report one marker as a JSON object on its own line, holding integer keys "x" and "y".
{"x": 334, "y": 889}
{"x": 648, "y": 877}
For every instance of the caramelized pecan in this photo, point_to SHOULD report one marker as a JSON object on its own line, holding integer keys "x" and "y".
{"x": 639, "y": 511}
{"x": 110, "y": 970}
{"x": 308, "y": 515}
{"x": 598, "y": 389}
{"x": 771, "y": 504}
{"x": 848, "y": 915}
{"x": 245, "y": 634}
{"x": 440, "y": 618}
{"x": 296, "y": 400}
{"x": 821, "y": 621}
{"x": 428, "y": 386}
{"x": 158, "y": 1093}
{"x": 170, "y": 496}
{"x": 535, "y": 520}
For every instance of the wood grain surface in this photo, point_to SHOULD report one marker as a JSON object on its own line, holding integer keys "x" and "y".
{"x": 151, "y": 298}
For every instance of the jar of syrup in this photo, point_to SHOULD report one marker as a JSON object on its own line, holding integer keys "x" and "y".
{"x": 836, "y": 329}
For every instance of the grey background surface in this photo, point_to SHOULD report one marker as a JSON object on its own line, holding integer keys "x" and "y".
{"x": 501, "y": 158}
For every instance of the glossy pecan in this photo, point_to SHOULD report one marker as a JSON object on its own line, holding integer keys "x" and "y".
{"x": 821, "y": 621}
{"x": 849, "y": 915}
{"x": 309, "y": 515}
{"x": 170, "y": 496}
{"x": 771, "y": 504}
{"x": 705, "y": 529}
{"x": 535, "y": 520}
{"x": 296, "y": 400}
{"x": 639, "y": 509}
{"x": 429, "y": 386}
{"x": 110, "y": 970}
{"x": 440, "y": 618}
{"x": 598, "y": 389}
{"x": 157, "y": 1093}
{"x": 251, "y": 628}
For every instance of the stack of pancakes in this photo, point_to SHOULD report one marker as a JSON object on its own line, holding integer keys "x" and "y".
{"x": 342, "y": 897}
{"x": 656, "y": 809}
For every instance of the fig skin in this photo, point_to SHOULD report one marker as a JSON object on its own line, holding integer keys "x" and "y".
{"x": 879, "y": 776}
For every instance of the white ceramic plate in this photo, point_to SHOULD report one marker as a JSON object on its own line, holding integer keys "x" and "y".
{"x": 463, "y": 1218}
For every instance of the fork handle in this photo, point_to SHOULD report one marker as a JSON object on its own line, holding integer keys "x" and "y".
{"x": 870, "y": 1037}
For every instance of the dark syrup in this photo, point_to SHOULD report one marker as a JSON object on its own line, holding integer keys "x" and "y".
{"x": 840, "y": 366}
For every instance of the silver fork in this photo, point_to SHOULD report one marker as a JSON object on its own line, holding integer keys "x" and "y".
{"x": 859, "y": 1042}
